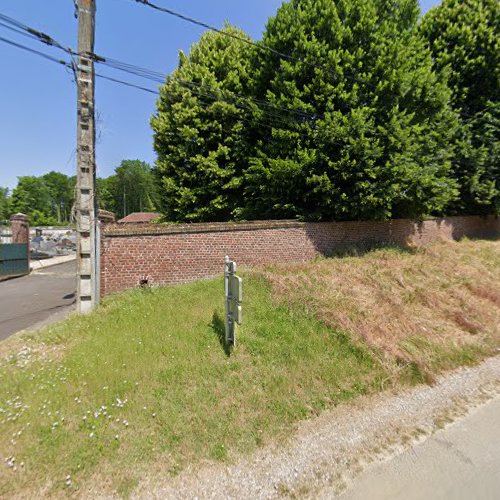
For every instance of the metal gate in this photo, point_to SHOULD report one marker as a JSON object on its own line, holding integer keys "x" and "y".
{"x": 14, "y": 260}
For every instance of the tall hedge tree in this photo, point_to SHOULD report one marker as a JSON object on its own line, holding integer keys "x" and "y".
{"x": 199, "y": 130}
{"x": 376, "y": 140}
{"x": 464, "y": 36}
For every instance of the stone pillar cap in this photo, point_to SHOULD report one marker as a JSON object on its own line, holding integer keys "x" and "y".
{"x": 19, "y": 216}
{"x": 106, "y": 217}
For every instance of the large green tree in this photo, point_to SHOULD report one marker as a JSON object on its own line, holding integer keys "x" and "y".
{"x": 200, "y": 133}
{"x": 375, "y": 139}
{"x": 104, "y": 188}
{"x": 464, "y": 37}
{"x": 132, "y": 188}
{"x": 4, "y": 204}
{"x": 62, "y": 194}
{"x": 31, "y": 196}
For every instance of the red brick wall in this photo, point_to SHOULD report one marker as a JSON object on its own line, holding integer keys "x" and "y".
{"x": 166, "y": 254}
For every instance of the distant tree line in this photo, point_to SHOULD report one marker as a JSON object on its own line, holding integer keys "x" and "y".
{"x": 349, "y": 109}
{"x": 132, "y": 188}
{"x": 49, "y": 199}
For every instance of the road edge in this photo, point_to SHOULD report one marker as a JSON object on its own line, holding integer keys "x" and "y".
{"x": 329, "y": 451}
{"x": 36, "y": 265}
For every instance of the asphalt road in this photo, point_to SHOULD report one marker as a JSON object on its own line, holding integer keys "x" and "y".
{"x": 461, "y": 461}
{"x": 31, "y": 301}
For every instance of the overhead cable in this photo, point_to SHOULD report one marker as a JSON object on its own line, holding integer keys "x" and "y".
{"x": 259, "y": 45}
{"x": 37, "y": 52}
{"x": 271, "y": 122}
{"x": 139, "y": 71}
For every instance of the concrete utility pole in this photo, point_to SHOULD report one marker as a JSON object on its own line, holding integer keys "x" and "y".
{"x": 86, "y": 200}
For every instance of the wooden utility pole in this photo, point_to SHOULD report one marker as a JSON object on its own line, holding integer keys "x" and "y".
{"x": 86, "y": 200}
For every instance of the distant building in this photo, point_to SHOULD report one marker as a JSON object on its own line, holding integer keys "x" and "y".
{"x": 139, "y": 217}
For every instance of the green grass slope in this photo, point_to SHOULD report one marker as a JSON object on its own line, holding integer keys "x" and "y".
{"x": 144, "y": 383}
{"x": 146, "y": 378}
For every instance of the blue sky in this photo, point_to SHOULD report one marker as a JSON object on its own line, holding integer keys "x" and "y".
{"x": 37, "y": 98}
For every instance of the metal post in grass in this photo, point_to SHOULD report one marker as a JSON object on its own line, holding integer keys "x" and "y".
{"x": 233, "y": 290}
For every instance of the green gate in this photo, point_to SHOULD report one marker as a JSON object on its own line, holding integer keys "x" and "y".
{"x": 14, "y": 260}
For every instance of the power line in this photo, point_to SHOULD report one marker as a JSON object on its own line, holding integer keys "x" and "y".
{"x": 202, "y": 90}
{"x": 21, "y": 28}
{"x": 40, "y": 35}
{"x": 205, "y": 25}
{"x": 159, "y": 77}
{"x": 137, "y": 70}
{"x": 274, "y": 119}
{"x": 205, "y": 90}
{"x": 263, "y": 47}
{"x": 18, "y": 31}
{"x": 128, "y": 84}
{"x": 50, "y": 41}
{"x": 259, "y": 45}
{"x": 68, "y": 65}
{"x": 271, "y": 122}
{"x": 37, "y": 52}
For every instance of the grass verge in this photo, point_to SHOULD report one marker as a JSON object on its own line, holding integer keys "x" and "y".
{"x": 146, "y": 380}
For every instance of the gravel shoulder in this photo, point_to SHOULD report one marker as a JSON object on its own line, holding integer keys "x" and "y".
{"x": 328, "y": 452}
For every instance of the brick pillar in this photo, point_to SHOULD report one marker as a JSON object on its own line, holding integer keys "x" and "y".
{"x": 20, "y": 229}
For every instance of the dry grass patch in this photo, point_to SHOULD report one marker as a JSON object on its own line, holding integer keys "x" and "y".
{"x": 435, "y": 307}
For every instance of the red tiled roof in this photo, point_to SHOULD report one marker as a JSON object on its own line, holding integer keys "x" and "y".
{"x": 138, "y": 217}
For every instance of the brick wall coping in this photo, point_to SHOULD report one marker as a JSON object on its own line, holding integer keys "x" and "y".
{"x": 198, "y": 227}
{"x": 147, "y": 229}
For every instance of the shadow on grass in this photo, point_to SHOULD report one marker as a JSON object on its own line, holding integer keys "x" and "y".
{"x": 219, "y": 327}
{"x": 361, "y": 249}
{"x": 488, "y": 237}
{"x": 364, "y": 248}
